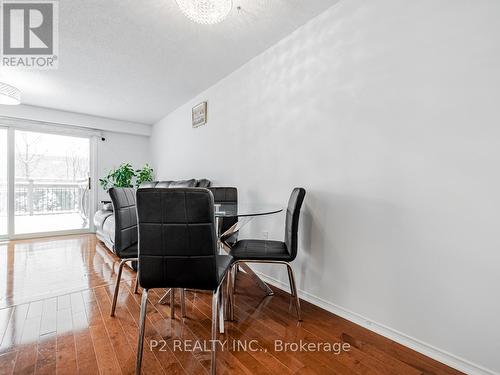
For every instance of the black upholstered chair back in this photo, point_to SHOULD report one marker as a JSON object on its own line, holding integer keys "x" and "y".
{"x": 123, "y": 200}
{"x": 226, "y": 195}
{"x": 292, "y": 220}
{"x": 177, "y": 240}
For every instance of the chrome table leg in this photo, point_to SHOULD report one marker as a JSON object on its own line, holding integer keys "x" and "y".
{"x": 163, "y": 299}
{"x": 256, "y": 278}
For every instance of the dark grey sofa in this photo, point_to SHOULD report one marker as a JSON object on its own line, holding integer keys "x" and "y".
{"x": 115, "y": 222}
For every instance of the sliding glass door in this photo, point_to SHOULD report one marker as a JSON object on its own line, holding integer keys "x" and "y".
{"x": 52, "y": 183}
{"x": 45, "y": 185}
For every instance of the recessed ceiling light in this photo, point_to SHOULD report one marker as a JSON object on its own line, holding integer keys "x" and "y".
{"x": 9, "y": 94}
{"x": 205, "y": 11}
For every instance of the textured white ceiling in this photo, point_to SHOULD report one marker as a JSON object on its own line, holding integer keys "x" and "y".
{"x": 139, "y": 60}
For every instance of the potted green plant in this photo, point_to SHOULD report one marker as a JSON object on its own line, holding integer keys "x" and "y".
{"x": 126, "y": 176}
{"x": 144, "y": 175}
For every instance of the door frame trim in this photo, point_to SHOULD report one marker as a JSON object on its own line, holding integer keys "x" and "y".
{"x": 11, "y": 160}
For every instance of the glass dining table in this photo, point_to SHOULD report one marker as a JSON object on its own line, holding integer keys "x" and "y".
{"x": 238, "y": 210}
{"x": 244, "y": 213}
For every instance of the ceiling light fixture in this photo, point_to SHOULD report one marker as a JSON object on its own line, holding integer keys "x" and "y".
{"x": 206, "y": 12}
{"x": 9, "y": 95}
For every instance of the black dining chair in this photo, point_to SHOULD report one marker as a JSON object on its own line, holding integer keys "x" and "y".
{"x": 278, "y": 252}
{"x": 178, "y": 249}
{"x": 226, "y": 195}
{"x": 125, "y": 243}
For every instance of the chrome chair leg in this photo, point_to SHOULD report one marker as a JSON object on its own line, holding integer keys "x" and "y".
{"x": 221, "y": 308}
{"x": 118, "y": 280}
{"x": 117, "y": 286}
{"x": 136, "y": 286}
{"x": 183, "y": 302}
{"x": 142, "y": 323}
{"x": 234, "y": 271}
{"x": 230, "y": 292}
{"x": 291, "y": 277}
{"x": 215, "y": 303}
{"x": 293, "y": 290}
{"x": 172, "y": 303}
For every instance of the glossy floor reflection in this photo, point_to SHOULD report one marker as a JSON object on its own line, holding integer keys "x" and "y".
{"x": 69, "y": 331}
{"x": 35, "y": 269}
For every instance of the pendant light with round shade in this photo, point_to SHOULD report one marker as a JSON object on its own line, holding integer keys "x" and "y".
{"x": 206, "y": 12}
{"x": 9, "y": 94}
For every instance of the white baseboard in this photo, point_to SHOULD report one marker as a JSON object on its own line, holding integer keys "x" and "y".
{"x": 442, "y": 356}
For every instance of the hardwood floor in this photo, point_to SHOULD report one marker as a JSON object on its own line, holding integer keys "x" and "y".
{"x": 56, "y": 297}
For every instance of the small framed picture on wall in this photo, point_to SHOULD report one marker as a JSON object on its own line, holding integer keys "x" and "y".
{"x": 199, "y": 117}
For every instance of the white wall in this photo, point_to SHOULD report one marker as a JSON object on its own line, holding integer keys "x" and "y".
{"x": 120, "y": 148}
{"x": 388, "y": 113}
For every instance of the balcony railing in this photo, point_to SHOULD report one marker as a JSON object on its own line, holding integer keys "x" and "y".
{"x": 35, "y": 197}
